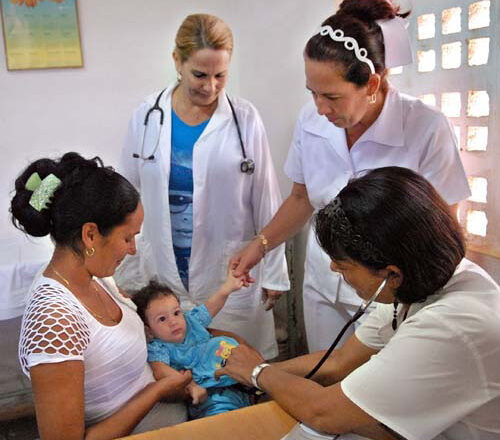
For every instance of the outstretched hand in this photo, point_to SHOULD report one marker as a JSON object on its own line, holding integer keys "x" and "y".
{"x": 246, "y": 259}
{"x": 240, "y": 364}
{"x": 232, "y": 282}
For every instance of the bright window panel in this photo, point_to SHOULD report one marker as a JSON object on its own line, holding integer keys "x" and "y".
{"x": 451, "y": 55}
{"x": 458, "y": 134}
{"x": 429, "y": 99}
{"x": 396, "y": 70}
{"x": 477, "y": 138}
{"x": 426, "y": 26}
{"x": 477, "y": 222}
{"x": 451, "y": 20}
{"x": 451, "y": 104}
{"x": 479, "y": 51}
{"x": 479, "y": 14}
{"x": 426, "y": 60}
{"x": 478, "y": 103}
{"x": 479, "y": 189}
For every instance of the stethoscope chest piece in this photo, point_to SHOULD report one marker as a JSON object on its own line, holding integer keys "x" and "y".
{"x": 247, "y": 166}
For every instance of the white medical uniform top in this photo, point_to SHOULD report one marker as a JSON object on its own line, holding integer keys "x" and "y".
{"x": 229, "y": 208}
{"x": 438, "y": 375}
{"x": 407, "y": 133}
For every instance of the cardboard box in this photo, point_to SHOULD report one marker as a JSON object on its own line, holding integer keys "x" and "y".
{"x": 266, "y": 421}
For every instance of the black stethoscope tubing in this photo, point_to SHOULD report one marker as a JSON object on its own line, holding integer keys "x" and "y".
{"x": 156, "y": 107}
{"x": 359, "y": 313}
{"x": 247, "y": 166}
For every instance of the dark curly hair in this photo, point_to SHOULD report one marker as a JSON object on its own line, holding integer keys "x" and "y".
{"x": 143, "y": 297}
{"x": 403, "y": 218}
{"x": 89, "y": 192}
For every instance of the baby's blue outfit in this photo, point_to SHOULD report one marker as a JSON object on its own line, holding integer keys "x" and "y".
{"x": 202, "y": 354}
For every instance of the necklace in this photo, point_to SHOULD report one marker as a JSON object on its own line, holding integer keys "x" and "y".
{"x": 96, "y": 291}
{"x": 60, "y": 276}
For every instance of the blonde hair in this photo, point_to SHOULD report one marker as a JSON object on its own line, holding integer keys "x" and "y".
{"x": 202, "y": 31}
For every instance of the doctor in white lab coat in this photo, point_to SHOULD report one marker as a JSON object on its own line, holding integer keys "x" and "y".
{"x": 227, "y": 207}
{"x": 355, "y": 122}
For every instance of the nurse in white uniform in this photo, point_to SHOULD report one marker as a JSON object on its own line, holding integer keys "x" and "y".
{"x": 424, "y": 363}
{"x": 356, "y": 122}
{"x": 202, "y": 164}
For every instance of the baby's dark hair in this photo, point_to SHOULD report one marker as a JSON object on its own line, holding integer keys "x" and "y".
{"x": 149, "y": 293}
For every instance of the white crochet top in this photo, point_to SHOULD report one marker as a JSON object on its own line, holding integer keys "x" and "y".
{"x": 57, "y": 328}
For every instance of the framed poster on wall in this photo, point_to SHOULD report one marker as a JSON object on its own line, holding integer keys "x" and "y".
{"x": 41, "y": 34}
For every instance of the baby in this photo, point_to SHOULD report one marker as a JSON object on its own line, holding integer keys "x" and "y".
{"x": 181, "y": 341}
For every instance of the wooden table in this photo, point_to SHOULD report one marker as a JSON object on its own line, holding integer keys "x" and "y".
{"x": 266, "y": 421}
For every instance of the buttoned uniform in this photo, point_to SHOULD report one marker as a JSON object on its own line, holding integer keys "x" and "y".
{"x": 437, "y": 375}
{"x": 229, "y": 208}
{"x": 407, "y": 133}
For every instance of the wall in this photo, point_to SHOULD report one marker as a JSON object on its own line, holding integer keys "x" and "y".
{"x": 127, "y": 55}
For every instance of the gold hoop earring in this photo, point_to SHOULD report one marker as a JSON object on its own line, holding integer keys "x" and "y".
{"x": 372, "y": 99}
{"x": 90, "y": 252}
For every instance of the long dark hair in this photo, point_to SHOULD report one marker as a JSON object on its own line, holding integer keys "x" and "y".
{"x": 405, "y": 222}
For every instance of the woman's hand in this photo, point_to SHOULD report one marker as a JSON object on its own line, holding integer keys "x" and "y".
{"x": 173, "y": 384}
{"x": 243, "y": 261}
{"x": 215, "y": 332}
{"x": 270, "y": 297}
{"x": 240, "y": 364}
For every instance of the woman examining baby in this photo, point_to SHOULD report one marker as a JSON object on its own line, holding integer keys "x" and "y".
{"x": 424, "y": 363}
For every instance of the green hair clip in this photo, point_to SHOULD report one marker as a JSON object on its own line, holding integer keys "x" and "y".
{"x": 33, "y": 182}
{"x": 43, "y": 190}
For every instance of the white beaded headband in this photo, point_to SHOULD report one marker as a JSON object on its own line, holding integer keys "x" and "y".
{"x": 349, "y": 43}
{"x": 396, "y": 41}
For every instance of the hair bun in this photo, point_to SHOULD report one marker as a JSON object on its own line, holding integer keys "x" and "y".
{"x": 70, "y": 168}
{"x": 24, "y": 216}
{"x": 368, "y": 10}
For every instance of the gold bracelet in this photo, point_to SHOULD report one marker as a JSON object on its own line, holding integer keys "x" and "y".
{"x": 264, "y": 242}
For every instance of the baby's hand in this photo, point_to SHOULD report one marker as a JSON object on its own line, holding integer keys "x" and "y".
{"x": 198, "y": 394}
{"x": 233, "y": 283}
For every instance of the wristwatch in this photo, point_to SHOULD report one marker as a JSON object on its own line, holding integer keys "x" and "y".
{"x": 255, "y": 374}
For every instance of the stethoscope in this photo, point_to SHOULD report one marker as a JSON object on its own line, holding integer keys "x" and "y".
{"x": 359, "y": 313}
{"x": 247, "y": 166}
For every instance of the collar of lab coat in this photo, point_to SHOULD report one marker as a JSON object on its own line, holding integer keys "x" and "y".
{"x": 386, "y": 130}
{"x": 221, "y": 115}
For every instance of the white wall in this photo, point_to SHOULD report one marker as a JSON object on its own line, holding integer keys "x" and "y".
{"x": 127, "y": 49}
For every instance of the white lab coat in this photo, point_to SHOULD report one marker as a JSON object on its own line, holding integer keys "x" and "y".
{"x": 229, "y": 207}
{"x": 407, "y": 133}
